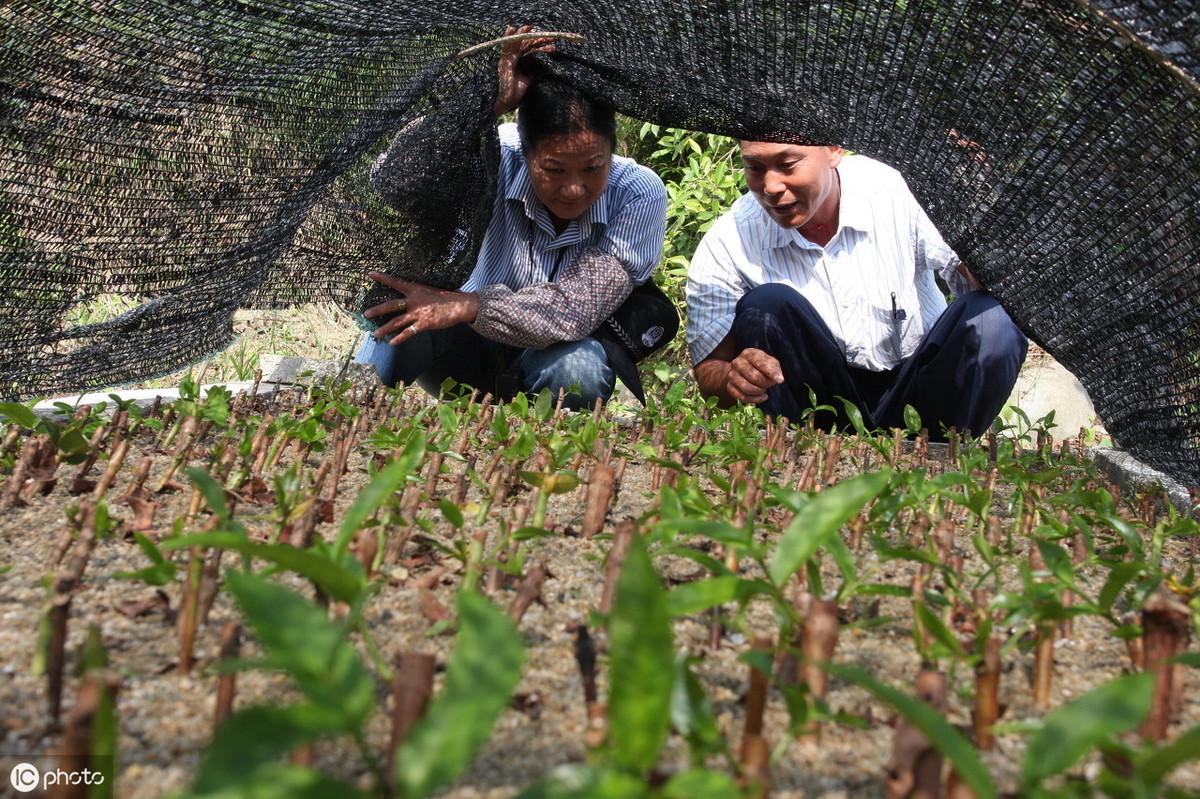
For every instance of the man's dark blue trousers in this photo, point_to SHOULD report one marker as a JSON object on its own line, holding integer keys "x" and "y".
{"x": 960, "y": 375}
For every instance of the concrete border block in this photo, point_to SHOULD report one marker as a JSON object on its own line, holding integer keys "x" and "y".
{"x": 1131, "y": 475}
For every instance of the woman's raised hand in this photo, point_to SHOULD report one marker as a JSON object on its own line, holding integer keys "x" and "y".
{"x": 422, "y": 308}
{"x": 512, "y": 83}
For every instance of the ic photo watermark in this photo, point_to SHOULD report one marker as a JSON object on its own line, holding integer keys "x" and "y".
{"x": 36, "y": 775}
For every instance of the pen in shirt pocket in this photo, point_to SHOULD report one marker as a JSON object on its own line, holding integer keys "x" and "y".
{"x": 898, "y": 317}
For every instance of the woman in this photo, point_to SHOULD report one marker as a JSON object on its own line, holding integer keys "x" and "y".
{"x": 574, "y": 228}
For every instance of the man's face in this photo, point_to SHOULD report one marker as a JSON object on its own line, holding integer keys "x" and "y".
{"x": 793, "y": 183}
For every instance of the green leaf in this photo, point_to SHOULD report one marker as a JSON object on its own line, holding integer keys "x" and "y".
{"x": 543, "y": 406}
{"x": 483, "y": 670}
{"x": 452, "y": 512}
{"x": 386, "y": 483}
{"x": 562, "y": 483}
{"x": 585, "y": 782}
{"x": 701, "y": 595}
{"x": 844, "y": 559}
{"x": 758, "y": 660}
{"x": 1073, "y": 730}
{"x": 888, "y": 552}
{"x": 1058, "y": 562}
{"x": 73, "y": 447}
{"x": 883, "y": 589}
{"x": 940, "y": 733}
{"x": 821, "y": 518}
{"x": 94, "y": 655}
{"x": 692, "y": 714}
{"x": 717, "y": 529}
{"x": 19, "y": 414}
{"x": 641, "y": 663}
{"x": 1118, "y": 578}
{"x": 337, "y": 581}
{"x": 250, "y": 740}
{"x": 161, "y": 573}
{"x": 1153, "y": 767}
{"x": 937, "y": 628}
{"x": 214, "y": 494}
{"x": 285, "y": 781}
{"x": 528, "y": 533}
{"x": 701, "y": 783}
{"x": 912, "y": 420}
{"x": 298, "y": 637}
{"x": 855, "y": 416}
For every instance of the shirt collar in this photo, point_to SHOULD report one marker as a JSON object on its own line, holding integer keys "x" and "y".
{"x": 855, "y": 209}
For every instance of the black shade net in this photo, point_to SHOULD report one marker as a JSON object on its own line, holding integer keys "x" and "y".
{"x": 194, "y": 157}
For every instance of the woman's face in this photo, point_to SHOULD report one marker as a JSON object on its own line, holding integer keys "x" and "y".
{"x": 569, "y": 172}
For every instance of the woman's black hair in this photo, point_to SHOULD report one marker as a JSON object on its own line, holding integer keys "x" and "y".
{"x": 552, "y": 107}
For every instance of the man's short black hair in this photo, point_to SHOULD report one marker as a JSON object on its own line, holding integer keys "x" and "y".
{"x": 552, "y": 107}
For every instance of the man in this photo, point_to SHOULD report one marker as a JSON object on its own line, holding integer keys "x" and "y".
{"x": 822, "y": 277}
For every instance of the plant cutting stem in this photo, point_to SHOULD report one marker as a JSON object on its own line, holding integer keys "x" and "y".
{"x": 987, "y": 694}
{"x": 231, "y": 641}
{"x": 412, "y": 687}
{"x": 818, "y": 640}
{"x": 915, "y": 771}
{"x": 1043, "y": 664}
{"x": 474, "y": 565}
{"x": 755, "y": 754}
{"x": 77, "y": 745}
{"x": 110, "y": 474}
{"x": 59, "y": 610}
{"x": 585, "y": 658}
{"x": 622, "y": 538}
{"x": 1165, "y": 621}
{"x": 599, "y": 497}
{"x": 360, "y": 626}
{"x": 189, "y": 612}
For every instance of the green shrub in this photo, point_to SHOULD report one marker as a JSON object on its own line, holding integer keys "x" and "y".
{"x": 702, "y": 173}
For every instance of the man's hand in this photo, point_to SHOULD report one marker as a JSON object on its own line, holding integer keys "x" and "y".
{"x": 751, "y": 373}
{"x": 512, "y": 83}
{"x": 966, "y": 275}
{"x": 422, "y": 308}
{"x": 732, "y": 375}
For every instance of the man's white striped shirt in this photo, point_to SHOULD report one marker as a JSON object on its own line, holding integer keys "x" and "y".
{"x": 885, "y": 247}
